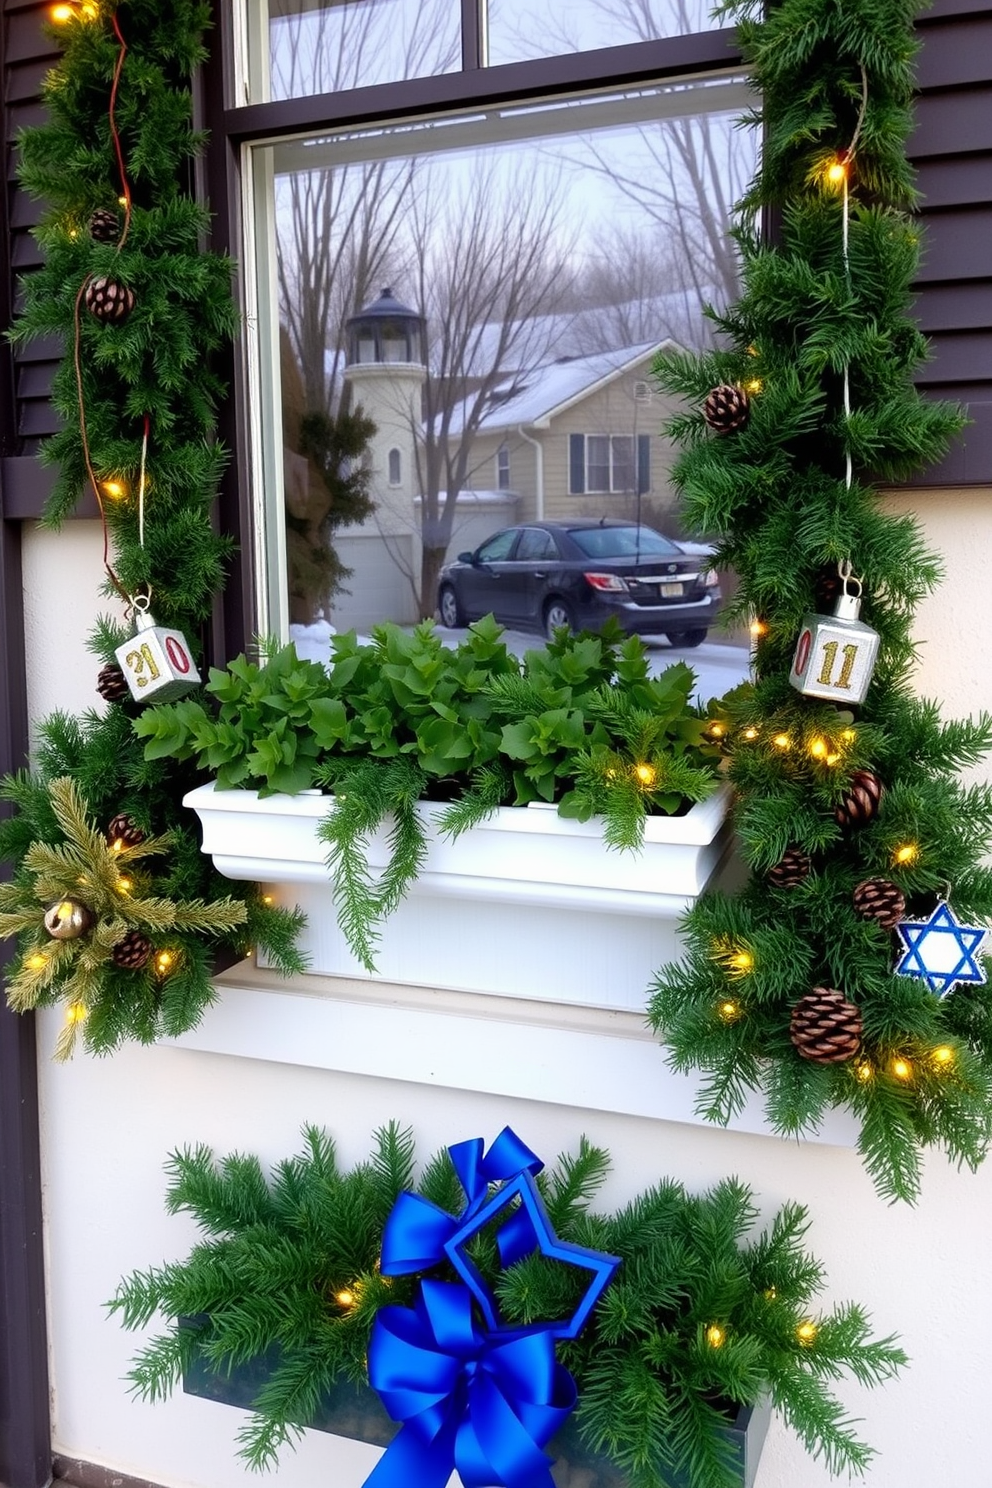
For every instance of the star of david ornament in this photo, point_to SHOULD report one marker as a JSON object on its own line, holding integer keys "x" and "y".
{"x": 531, "y": 1230}
{"x": 941, "y": 951}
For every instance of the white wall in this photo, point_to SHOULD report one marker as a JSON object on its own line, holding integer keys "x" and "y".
{"x": 108, "y": 1125}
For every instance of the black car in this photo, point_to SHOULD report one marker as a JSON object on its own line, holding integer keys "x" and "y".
{"x": 577, "y": 574}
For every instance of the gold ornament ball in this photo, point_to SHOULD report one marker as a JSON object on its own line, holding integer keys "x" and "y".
{"x": 67, "y": 920}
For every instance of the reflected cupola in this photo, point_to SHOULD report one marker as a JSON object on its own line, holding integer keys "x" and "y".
{"x": 386, "y": 332}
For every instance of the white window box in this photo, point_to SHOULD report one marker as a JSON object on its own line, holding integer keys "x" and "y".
{"x": 518, "y": 966}
{"x": 527, "y": 904}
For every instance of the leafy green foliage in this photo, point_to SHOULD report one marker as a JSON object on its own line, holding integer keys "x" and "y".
{"x": 775, "y": 499}
{"x": 701, "y": 1317}
{"x": 404, "y": 717}
{"x": 160, "y": 363}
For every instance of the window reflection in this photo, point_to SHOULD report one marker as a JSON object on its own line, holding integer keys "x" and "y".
{"x": 519, "y": 29}
{"x": 325, "y": 48}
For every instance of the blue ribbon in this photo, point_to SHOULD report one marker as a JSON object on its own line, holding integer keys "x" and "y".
{"x": 477, "y": 1401}
{"x": 417, "y": 1231}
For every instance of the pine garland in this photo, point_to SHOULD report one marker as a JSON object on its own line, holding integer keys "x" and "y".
{"x": 702, "y": 1314}
{"x": 142, "y": 228}
{"x": 775, "y": 497}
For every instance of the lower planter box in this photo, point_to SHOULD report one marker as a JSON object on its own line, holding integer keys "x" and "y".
{"x": 527, "y": 904}
{"x": 355, "y": 1411}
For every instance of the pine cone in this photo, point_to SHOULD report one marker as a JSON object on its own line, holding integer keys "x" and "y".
{"x": 861, "y": 800}
{"x": 726, "y": 409}
{"x": 792, "y": 869}
{"x": 105, "y": 227}
{"x": 132, "y": 952}
{"x": 111, "y": 684}
{"x": 827, "y": 589}
{"x": 125, "y": 830}
{"x": 878, "y": 899}
{"x": 825, "y": 1027}
{"x": 109, "y": 301}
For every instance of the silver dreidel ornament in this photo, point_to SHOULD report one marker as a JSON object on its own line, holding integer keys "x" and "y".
{"x": 835, "y": 654}
{"x": 156, "y": 661}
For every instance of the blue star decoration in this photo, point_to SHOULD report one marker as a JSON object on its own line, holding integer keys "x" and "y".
{"x": 941, "y": 951}
{"x": 528, "y": 1228}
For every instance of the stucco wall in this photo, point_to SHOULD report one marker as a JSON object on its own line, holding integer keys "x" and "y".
{"x": 109, "y": 1124}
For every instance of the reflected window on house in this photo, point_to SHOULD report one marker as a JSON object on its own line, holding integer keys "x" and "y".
{"x": 395, "y": 467}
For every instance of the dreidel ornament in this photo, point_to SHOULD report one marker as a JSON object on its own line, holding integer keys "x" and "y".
{"x": 156, "y": 662}
{"x": 835, "y": 654}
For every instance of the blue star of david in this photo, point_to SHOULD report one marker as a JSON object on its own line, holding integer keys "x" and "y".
{"x": 532, "y": 1219}
{"x": 941, "y": 951}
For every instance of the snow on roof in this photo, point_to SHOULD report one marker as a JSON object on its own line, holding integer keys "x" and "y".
{"x": 548, "y": 390}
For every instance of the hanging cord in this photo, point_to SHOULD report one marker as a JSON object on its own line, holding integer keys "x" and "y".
{"x": 129, "y": 600}
{"x": 845, "y": 158}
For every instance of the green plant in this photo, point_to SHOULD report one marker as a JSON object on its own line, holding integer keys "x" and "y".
{"x": 825, "y": 338}
{"x": 404, "y": 718}
{"x": 699, "y": 1314}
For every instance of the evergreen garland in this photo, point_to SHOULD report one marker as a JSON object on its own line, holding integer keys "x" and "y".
{"x": 140, "y": 227}
{"x": 775, "y": 497}
{"x": 701, "y": 1315}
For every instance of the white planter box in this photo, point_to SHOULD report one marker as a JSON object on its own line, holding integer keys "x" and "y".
{"x": 525, "y": 905}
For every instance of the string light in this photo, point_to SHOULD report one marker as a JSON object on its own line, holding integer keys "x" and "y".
{"x": 117, "y": 845}
{"x": 62, "y": 14}
{"x": 751, "y": 733}
{"x": 716, "y": 1336}
{"x": 806, "y": 1333}
{"x": 770, "y": 1294}
{"x": 730, "y": 1011}
{"x": 716, "y": 730}
{"x": 754, "y": 386}
{"x": 818, "y": 748}
{"x": 864, "y": 1070}
{"x": 849, "y": 736}
{"x": 345, "y": 1298}
{"x": 907, "y": 853}
{"x": 76, "y": 1012}
{"x": 37, "y": 962}
{"x": 267, "y": 899}
{"x": 163, "y": 961}
{"x": 901, "y": 1068}
{"x": 836, "y": 172}
{"x": 943, "y": 1056}
{"x": 124, "y": 885}
{"x": 737, "y": 959}
{"x": 758, "y": 629}
{"x": 646, "y": 775}
{"x": 782, "y": 741}
{"x": 114, "y": 489}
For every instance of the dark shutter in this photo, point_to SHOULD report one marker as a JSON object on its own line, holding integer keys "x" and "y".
{"x": 952, "y": 151}
{"x": 643, "y": 464}
{"x": 577, "y": 464}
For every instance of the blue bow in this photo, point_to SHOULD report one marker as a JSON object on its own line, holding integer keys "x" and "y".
{"x": 417, "y": 1231}
{"x": 468, "y": 1399}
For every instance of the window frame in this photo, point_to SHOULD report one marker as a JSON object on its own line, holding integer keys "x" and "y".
{"x": 579, "y": 484}
{"x": 225, "y": 178}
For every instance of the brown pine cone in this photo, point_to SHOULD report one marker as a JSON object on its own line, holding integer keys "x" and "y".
{"x": 132, "y": 952}
{"x": 879, "y": 899}
{"x": 111, "y": 684}
{"x": 827, "y": 589}
{"x": 825, "y": 1027}
{"x": 860, "y": 801}
{"x": 125, "y": 830}
{"x": 108, "y": 301}
{"x": 792, "y": 869}
{"x": 105, "y": 227}
{"x": 726, "y": 409}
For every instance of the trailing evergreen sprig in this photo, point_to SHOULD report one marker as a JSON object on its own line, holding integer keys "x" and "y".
{"x": 701, "y": 1317}
{"x": 775, "y": 498}
{"x": 578, "y": 723}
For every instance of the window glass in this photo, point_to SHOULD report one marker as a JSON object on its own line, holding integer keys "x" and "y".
{"x": 520, "y": 29}
{"x": 539, "y": 312}
{"x": 498, "y": 547}
{"x": 622, "y": 542}
{"x": 535, "y": 545}
{"x": 300, "y": 47}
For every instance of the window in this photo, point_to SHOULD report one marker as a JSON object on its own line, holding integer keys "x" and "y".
{"x": 498, "y": 548}
{"x": 609, "y": 463}
{"x": 536, "y": 546}
{"x": 379, "y": 220}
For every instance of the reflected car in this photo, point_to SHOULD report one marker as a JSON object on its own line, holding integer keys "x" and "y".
{"x": 578, "y": 574}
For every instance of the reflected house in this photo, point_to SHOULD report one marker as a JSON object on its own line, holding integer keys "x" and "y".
{"x": 581, "y": 436}
{"x": 574, "y": 436}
